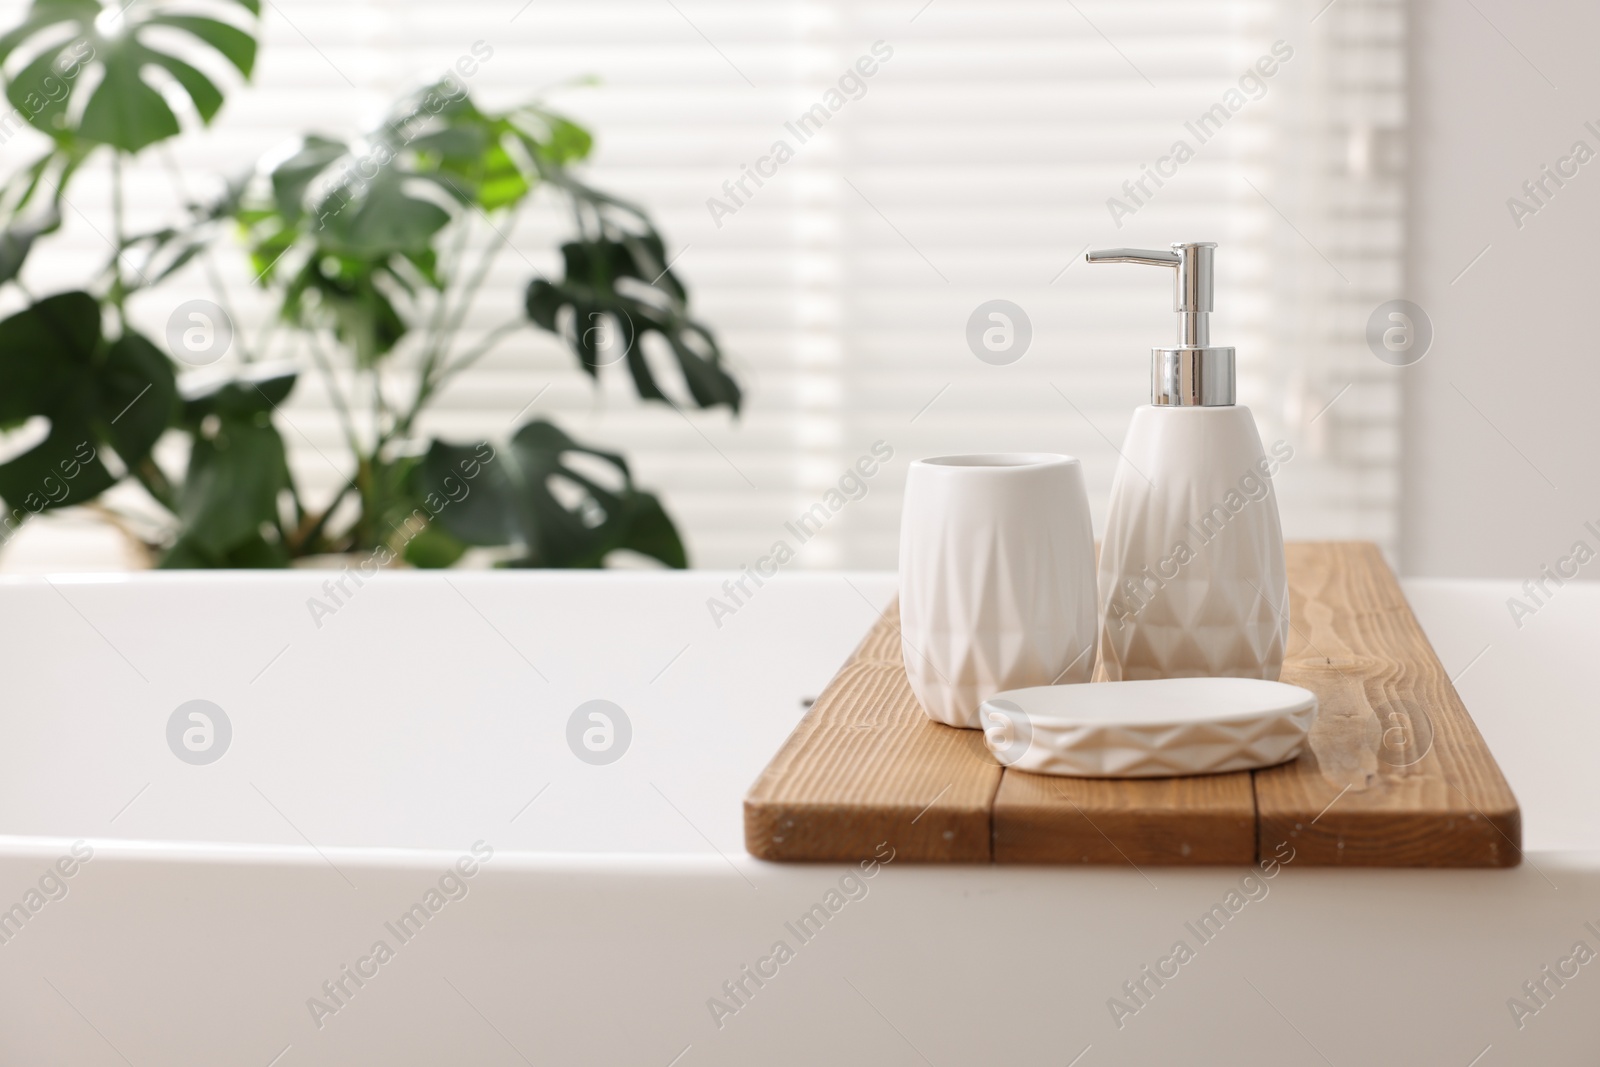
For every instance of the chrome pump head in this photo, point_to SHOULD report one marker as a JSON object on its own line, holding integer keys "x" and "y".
{"x": 1194, "y": 373}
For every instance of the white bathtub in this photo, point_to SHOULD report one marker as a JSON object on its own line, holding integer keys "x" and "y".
{"x": 230, "y": 911}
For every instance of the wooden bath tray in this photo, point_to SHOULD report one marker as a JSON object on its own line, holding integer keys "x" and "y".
{"x": 1395, "y": 773}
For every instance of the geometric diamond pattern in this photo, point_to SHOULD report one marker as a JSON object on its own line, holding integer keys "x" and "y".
{"x": 1154, "y": 751}
{"x": 1192, "y": 578}
{"x": 986, "y": 607}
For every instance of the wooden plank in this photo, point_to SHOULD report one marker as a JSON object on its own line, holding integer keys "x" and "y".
{"x": 1374, "y": 788}
{"x": 1394, "y": 774}
{"x": 866, "y": 765}
{"x": 1209, "y": 818}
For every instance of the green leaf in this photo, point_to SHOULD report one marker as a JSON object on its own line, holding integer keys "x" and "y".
{"x": 458, "y": 144}
{"x": 426, "y": 264}
{"x": 257, "y": 390}
{"x": 363, "y": 218}
{"x": 268, "y": 252}
{"x": 651, "y": 533}
{"x": 231, "y": 490}
{"x": 236, "y": 46}
{"x": 554, "y": 140}
{"x": 185, "y": 555}
{"x": 252, "y": 552}
{"x": 503, "y": 191}
{"x": 123, "y": 109}
{"x": 237, "y": 470}
{"x": 25, "y": 183}
{"x": 434, "y": 547}
{"x": 97, "y": 396}
{"x": 39, "y": 91}
{"x": 653, "y": 304}
{"x": 138, "y": 390}
{"x": 61, "y": 470}
{"x": 379, "y": 216}
{"x": 44, "y": 14}
{"x": 509, "y": 496}
{"x": 295, "y": 173}
{"x": 345, "y": 296}
{"x": 544, "y": 303}
{"x": 16, "y": 241}
{"x": 202, "y": 91}
{"x": 568, "y": 142}
{"x": 40, "y": 349}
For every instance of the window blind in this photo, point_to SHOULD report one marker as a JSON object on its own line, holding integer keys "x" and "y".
{"x": 991, "y": 144}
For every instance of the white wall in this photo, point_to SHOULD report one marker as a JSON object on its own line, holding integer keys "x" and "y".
{"x": 1506, "y": 488}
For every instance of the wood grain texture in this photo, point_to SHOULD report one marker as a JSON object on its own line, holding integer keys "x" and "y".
{"x": 866, "y": 765}
{"x": 1208, "y": 818}
{"x": 1395, "y": 772}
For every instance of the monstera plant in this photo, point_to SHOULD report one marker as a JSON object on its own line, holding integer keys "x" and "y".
{"x": 373, "y": 250}
{"x": 79, "y": 75}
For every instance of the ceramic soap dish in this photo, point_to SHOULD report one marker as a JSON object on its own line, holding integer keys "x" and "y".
{"x": 1149, "y": 729}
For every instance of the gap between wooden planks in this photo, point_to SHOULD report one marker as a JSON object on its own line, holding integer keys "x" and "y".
{"x": 867, "y": 766}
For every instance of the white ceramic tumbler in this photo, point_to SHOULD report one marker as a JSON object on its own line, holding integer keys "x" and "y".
{"x": 997, "y": 579}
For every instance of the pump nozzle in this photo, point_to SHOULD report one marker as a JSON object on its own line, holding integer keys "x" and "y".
{"x": 1135, "y": 255}
{"x": 1194, "y": 372}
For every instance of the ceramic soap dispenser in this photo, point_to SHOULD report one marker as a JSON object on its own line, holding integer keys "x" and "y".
{"x": 1191, "y": 572}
